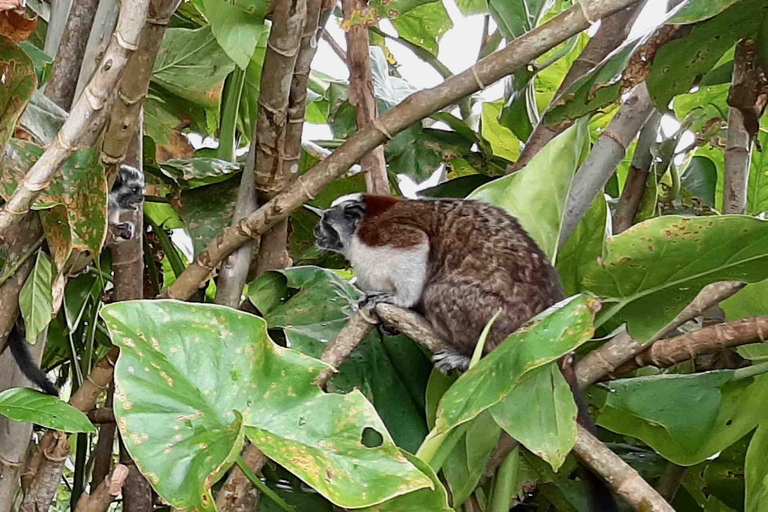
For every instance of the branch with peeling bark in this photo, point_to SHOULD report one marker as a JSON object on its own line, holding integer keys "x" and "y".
{"x": 107, "y": 491}
{"x": 361, "y": 92}
{"x": 417, "y": 106}
{"x": 87, "y": 115}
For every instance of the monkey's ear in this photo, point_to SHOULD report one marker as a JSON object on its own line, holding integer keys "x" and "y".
{"x": 354, "y": 211}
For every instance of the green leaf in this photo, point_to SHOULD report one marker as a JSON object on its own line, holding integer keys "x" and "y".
{"x": 686, "y": 418}
{"x": 465, "y": 465}
{"x": 679, "y": 63}
{"x": 704, "y": 107}
{"x": 249, "y": 99}
{"x": 36, "y": 298}
{"x": 76, "y": 295}
{"x": 699, "y": 10}
{"x": 19, "y": 82}
{"x": 184, "y": 370}
{"x": 541, "y": 414}
{"x": 469, "y": 7}
{"x": 206, "y": 211}
{"x": 516, "y": 17}
{"x": 42, "y": 118}
{"x": 757, "y": 471}
{"x": 32, "y": 406}
{"x": 655, "y": 268}
{"x": 394, "y": 8}
{"x": 457, "y": 188}
{"x": 423, "y": 500}
{"x": 584, "y": 247}
{"x": 544, "y": 339}
{"x": 42, "y": 61}
{"x": 236, "y": 30}
{"x": 418, "y": 152}
{"x": 199, "y": 171}
{"x": 192, "y": 65}
{"x": 700, "y": 179}
{"x": 750, "y": 301}
{"x": 757, "y": 187}
{"x": 502, "y": 140}
{"x": 424, "y": 25}
{"x": 536, "y": 195}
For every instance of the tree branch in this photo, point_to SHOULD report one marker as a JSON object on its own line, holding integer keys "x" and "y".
{"x": 613, "y": 30}
{"x": 417, "y": 106}
{"x": 86, "y": 117}
{"x": 103, "y": 25}
{"x": 54, "y": 450}
{"x": 288, "y": 19}
{"x": 626, "y": 209}
{"x": 608, "y": 358}
{"x": 606, "y": 155}
{"x": 361, "y": 92}
{"x": 708, "y": 340}
{"x": 106, "y": 492}
{"x": 620, "y": 477}
{"x": 742, "y": 98}
{"x": 336, "y": 47}
{"x": 60, "y": 87}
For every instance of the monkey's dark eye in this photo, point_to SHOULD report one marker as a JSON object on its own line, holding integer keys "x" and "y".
{"x": 136, "y": 190}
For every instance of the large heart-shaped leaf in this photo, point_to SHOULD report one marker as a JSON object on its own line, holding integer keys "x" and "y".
{"x": 236, "y": 30}
{"x": 544, "y": 339}
{"x": 541, "y": 414}
{"x": 655, "y": 268}
{"x": 757, "y": 471}
{"x": 537, "y": 194}
{"x": 686, "y": 418}
{"x": 185, "y": 369}
{"x": 25, "y": 404}
{"x": 584, "y": 246}
{"x": 192, "y": 65}
{"x": 36, "y": 298}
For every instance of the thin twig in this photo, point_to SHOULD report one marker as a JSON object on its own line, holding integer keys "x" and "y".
{"x": 419, "y": 105}
{"x": 24, "y": 257}
{"x": 336, "y": 47}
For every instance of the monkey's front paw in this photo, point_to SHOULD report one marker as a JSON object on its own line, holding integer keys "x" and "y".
{"x": 372, "y": 299}
{"x": 448, "y": 361}
{"x": 124, "y": 230}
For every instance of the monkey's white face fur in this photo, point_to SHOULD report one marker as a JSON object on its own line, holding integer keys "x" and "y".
{"x": 398, "y": 272}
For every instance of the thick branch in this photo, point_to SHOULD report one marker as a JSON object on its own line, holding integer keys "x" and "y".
{"x": 606, "y": 155}
{"x": 66, "y": 67}
{"x": 54, "y": 450}
{"x": 742, "y": 120}
{"x": 639, "y": 170}
{"x": 86, "y": 117}
{"x": 613, "y": 30}
{"x": 606, "y": 359}
{"x": 106, "y": 492}
{"x": 620, "y": 477}
{"x": 103, "y": 25}
{"x": 417, "y": 106}
{"x": 361, "y": 93}
{"x": 336, "y": 352}
{"x": 669, "y": 352}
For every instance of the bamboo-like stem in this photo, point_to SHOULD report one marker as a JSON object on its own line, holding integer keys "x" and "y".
{"x": 361, "y": 93}
{"x": 419, "y": 105}
{"x": 103, "y": 25}
{"x": 87, "y": 115}
{"x": 626, "y": 209}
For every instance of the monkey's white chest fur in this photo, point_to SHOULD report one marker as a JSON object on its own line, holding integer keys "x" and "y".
{"x": 401, "y": 272}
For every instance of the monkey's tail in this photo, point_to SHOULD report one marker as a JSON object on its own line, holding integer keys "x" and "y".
{"x": 27, "y": 365}
{"x": 599, "y": 495}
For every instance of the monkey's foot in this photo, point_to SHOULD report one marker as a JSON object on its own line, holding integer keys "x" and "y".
{"x": 372, "y": 299}
{"x": 124, "y": 230}
{"x": 448, "y": 361}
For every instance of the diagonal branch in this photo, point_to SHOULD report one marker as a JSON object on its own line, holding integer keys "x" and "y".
{"x": 87, "y": 115}
{"x": 417, "y": 106}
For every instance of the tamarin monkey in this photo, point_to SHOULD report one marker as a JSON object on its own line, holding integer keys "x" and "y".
{"x": 127, "y": 194}
{"x": 457, "y": 262}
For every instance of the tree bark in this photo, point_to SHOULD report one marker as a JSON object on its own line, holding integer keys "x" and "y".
{"x": 361, "y": 93}
{"x": 103, "y": 25}
{"x": 66, "y": 67}
{"x": 417, "y": 106}
{"x": 105, "y": 493}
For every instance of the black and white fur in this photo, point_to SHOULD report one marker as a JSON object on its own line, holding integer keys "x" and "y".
{"x": 127, "y": 194}
{"x": 23, "y": 358}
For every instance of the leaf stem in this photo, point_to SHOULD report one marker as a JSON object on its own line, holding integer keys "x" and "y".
{"x": 255, "y": 480}
{"x": 436, "y": 447}
{"x": 504, "y": 483}
{"x": 478, "y": 353}
{"x": 228, "y": 126}
{"x": 8, "y": 273}
{"x": 750, "y": 371}
{"x": 168, "y": 246}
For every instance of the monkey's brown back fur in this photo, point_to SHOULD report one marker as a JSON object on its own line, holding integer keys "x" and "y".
{"x": 481, "y": 260}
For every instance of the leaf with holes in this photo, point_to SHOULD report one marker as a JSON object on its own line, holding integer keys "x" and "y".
{"x": 25, "y": 404}
{"x": 19, "y": 82}
{"x": 537, "y": 194}
{"x": 544, "y": 339}
{"x": 36, "y": 298}
{"x": 184, "y": 370}
{"x": 686, "y": 418}
{"x": 650, "y": 272}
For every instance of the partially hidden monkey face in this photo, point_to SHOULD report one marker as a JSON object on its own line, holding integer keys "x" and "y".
{"x": 339, "y": 224}
{"x": 128, "y": 189}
